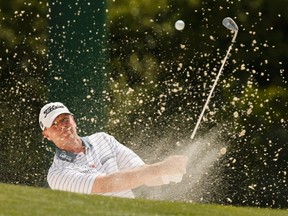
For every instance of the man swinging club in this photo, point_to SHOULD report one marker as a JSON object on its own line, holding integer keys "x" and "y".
{"x": 98, "y": 164}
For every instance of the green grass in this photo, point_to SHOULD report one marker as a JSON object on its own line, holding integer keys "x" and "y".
{"x": 22, "y": 200}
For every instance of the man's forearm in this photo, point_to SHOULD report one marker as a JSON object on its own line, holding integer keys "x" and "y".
{"x": 129, "y": 179}
{"x": 125, "y": 180}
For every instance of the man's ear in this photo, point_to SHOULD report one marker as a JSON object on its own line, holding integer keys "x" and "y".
{"x": 45, "y": 135}
{"x": 73, "y": 119}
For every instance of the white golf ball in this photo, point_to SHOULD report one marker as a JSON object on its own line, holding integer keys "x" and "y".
{"x": 179, "y": 25}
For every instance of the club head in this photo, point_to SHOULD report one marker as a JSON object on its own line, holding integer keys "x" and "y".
{"x": 230, "y": 24}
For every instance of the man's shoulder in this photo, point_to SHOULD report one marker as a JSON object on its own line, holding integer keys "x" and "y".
{"x": 99, "y": 137}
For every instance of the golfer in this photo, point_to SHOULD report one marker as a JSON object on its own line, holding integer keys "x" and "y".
{"x": 98, "y": 164}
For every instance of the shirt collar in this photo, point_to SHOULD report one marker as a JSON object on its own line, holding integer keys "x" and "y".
{"x": 86, "y": 142}
{"x": 70, "y": 156}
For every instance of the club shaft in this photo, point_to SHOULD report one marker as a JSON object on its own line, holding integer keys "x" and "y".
{"x": 213, "y": 87}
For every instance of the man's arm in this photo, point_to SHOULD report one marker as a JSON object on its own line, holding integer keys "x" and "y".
{"x": 129, "y": 179}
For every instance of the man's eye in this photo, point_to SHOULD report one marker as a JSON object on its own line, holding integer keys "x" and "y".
{"x": 61, "y": 121}
{"x": 64, "y": 120}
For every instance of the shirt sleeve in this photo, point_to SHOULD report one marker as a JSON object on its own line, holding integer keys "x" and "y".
{"x": 71, "y": 180}
{"x": 126, "y": 158}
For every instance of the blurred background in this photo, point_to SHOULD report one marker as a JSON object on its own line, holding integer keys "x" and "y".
{"x": 122, "y": 67}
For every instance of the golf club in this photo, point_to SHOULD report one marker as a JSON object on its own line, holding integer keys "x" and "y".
{"x": 231, "y": 25}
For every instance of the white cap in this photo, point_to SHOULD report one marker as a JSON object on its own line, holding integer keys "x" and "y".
{"x": 49, "y": 112}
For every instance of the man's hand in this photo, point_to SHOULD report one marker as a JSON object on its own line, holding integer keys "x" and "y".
{"x": 174, "y": 165}
{"x": 171, "y": 169}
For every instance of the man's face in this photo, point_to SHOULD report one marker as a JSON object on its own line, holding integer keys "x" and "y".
{"x": 63, "y": 131}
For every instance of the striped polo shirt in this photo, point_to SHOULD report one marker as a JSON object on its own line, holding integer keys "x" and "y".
{"x": 103, "y": 155}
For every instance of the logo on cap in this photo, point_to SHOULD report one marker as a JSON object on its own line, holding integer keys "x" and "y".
{"x": 52, "y": 108}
